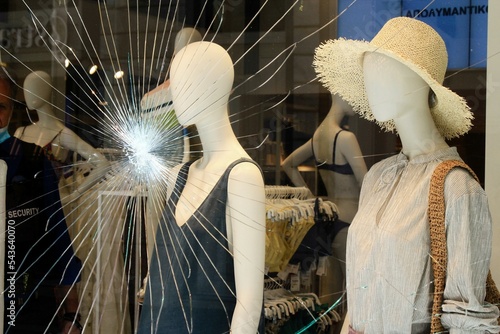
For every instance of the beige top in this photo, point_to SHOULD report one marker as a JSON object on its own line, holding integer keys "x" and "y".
{"x": 389, "y": 276}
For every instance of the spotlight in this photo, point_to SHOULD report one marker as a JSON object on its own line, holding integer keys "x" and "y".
{"x": 93, "y": 69}
{"x": 119, "y": 74}
{"x": 66, "y": 63}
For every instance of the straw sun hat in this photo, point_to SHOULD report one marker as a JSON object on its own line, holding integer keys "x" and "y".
{"x": 338, "y": 64}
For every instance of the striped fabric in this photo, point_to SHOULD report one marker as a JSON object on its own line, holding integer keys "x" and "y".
{"x": 389, "y": 275}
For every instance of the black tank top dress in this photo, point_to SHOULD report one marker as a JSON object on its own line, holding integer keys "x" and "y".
{"x": 191, "y": 286}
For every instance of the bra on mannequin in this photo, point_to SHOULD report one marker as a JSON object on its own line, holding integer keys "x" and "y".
{"x": 341, "y": 169}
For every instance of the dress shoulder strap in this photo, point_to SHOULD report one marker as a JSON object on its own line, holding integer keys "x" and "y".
{"x": 237, "y": 162}
{"x": 180, "y": 182}
{"x": 335, "y": 146}
{"x": 54, "y": 138}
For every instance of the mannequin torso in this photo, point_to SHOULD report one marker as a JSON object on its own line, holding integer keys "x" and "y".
{"x": 342, "y": 189}
{"x": 50, "y": 133}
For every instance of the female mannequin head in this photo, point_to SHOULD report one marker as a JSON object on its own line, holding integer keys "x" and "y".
{"x": 412, "y": 43}
{"x": 392, "y": 88}
{"x": 37, "y": 89}
{"x": 201, "y": 79}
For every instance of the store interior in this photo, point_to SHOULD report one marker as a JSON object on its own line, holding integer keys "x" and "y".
{"x": 104, "y": 57}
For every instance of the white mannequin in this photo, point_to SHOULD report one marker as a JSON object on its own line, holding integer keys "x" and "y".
{"x": 201, "y": 82}
{"x": 396, "y": 92}
{"x": 388, "y": 257}
{"x": 48, "y": 129}
{"x": 343, "y": 190}
{"x": 184, "y": 37}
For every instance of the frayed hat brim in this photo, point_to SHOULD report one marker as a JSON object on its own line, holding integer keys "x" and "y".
{"x": 338, "y": 64}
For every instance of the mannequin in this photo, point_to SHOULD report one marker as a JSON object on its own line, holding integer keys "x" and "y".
{"x": 342, "y": 189}
{"x": 396, "y": 92}
{"x": 401, "y": 95}
{"x": 396, "y": 80}
{"x": 50, "y": 133}
{"x": 201, "y": 81}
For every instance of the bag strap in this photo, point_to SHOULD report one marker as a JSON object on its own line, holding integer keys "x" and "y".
{"x": 437, "y": 229}
{"x": 439, "y": 254}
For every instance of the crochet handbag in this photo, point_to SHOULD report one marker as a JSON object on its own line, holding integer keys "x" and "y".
{"x": 438, "y": 242}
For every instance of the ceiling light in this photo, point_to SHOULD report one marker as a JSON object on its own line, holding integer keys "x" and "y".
{"x": 93, "y": 69}
{"x": 119, "y": 74}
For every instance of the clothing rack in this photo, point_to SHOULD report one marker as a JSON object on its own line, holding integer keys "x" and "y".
{"x": 284, "y": 309}
{"x": 284, "y": 192}
{"x": 290, "y": 214}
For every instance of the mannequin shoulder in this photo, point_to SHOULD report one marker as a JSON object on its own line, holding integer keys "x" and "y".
{"x": 246, "y": 173}
{"x": 246, "y": 190}
{"x": 72, "y": 141}
{"x": 460, "y": 182}
{"x": 245, "y": 169}
{"x": 347, "y": 136}
{"x": 31, "y": 134}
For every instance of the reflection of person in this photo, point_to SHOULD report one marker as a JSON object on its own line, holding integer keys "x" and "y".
{"x": 206, "y": 274}
{"x": 52, "y": 136}
{"x": 389, "y": 274}
{"x": 341, "y": 166}
{"x": 43, "y": 259}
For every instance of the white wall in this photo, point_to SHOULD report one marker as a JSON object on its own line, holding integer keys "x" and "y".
{"x": 492, "y": 177}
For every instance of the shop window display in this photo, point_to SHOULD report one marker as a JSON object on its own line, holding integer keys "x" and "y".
{"x": 275, "y": 106}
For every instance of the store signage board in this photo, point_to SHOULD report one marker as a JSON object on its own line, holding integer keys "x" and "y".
{"x": 461, "y": 23}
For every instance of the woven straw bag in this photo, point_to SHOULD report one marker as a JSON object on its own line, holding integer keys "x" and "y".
{"x": 438, "y": 242}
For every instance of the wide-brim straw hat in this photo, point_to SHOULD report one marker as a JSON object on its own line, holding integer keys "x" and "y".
{"x": 338, "y": 64}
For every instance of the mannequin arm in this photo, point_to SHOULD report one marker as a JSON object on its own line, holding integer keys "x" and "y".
{"x": 352, "y": 152}
{"x": 100, "y": 165}
{"x": 246, "y": 210}
{"x": 291, "y": 163}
